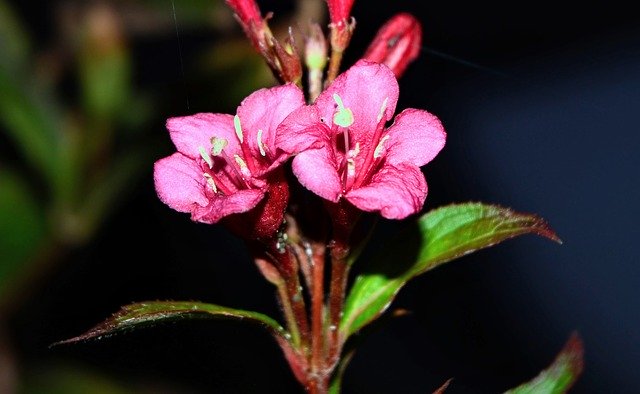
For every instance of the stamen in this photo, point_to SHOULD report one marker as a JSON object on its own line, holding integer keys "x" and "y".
{"x": 378, "y": 152}
{"x": 261, "y": 145}
{"x": 236, "y": 125}
{"x": 351, "y": 167}
{"x": 210, "y": 182}
{"x": 218, "y": 145}
{"x": 343, "y": 117}
{"x": 353, "y": 153}
{"x": 243, "y": 166}
{"x": 382, "y": 109}
{"x": 205, "y": 156}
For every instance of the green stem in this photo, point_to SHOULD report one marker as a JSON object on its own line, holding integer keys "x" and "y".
{"x": 289, "y": 315}
{"x": 315, "y": 84}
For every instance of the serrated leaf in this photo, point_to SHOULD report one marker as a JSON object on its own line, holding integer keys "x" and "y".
{"x": 437, "y": 237}
{"x": 144, "y": 314}
{"x": 560, "y": 375}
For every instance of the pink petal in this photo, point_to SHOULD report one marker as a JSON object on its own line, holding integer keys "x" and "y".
{"x": 221, "y": 205}
{"x": 302, "y": 130}
{"x": 395, "y": 191}
{"x": 363, "y": 88}
{"x": 264, "y": 110}
{"x": 189, "y": 133}
{"x": 316, "y": 170}
{"x": 416, "y": 137}
{"x": 179, "y": 183}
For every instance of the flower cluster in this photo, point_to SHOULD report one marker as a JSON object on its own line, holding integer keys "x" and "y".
{"x": 341, "y": 145}
{"x": 340, "y": 141}
{"x": 291, "y": 173}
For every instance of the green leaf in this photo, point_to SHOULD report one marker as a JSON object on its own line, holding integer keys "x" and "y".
{"x": 114, "y": 185}
{"x": 14, "y": 43}
{"x": 560, "y": 375}
{"x": 153, "y": 312}
{"x": 22, "y": 227}
{"x": 67, "y": 379}
{"x": 438, "y": 237}
{"x": 104, "y": 71}
{"x": 31, "y": 120}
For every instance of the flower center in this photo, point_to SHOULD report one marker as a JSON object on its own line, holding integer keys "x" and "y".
{"x": 355, "y": 176}
{"x": 236, "y": 172}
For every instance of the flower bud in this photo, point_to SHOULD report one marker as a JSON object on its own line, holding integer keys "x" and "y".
{"x": 315, "y": 49}
{"x": 397, "y": 43}
{"x": 339, "y": 12}
{"x": 248, "y": 14}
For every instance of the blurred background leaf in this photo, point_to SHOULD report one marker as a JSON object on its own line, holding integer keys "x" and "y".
{"x": 22, "y": 226}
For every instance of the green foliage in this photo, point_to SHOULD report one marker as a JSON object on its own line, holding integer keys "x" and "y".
{"x": 560, "y": 375}
{"x": 154, "y": 312}
{"x": 22, "y": 226}
{"x": 438, "y": 237}
{"x": 14, "y": 43}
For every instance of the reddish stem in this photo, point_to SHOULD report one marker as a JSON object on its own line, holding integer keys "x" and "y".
{"x": 317, "y": 317}
{"x": 290, "y": 273}
{"x": 339, "y": 276}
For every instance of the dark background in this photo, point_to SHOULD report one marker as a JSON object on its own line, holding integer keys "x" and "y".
{"x": 539, "y": 100}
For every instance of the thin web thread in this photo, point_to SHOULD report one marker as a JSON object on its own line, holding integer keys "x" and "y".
{"x": 184, "y": 79}
{"x": 464, "y": 62}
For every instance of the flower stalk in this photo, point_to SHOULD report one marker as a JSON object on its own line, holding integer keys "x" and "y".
{"x": 229, "y": 169}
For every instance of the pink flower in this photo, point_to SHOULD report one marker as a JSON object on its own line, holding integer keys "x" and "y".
{"x": 345, "y": 151}
{"x": 225, "y": 164}
{"x": 397, "y": 43}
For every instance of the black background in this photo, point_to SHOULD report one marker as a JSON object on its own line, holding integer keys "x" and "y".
{"x": 539, "y": 100}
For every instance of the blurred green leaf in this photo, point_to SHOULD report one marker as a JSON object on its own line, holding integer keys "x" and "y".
{"x": 560, "y": 375}
{"x": 105, "y": 81}
{"x": 153, "y": 312}
{"x": 113, "y": 186}
{"x": 104, "y": 64}
{"x": 14, "y": 44}
{"x": 68, "y": 380}
{"x": 438, "y": 237}
{"x": 22, "y": 226}
{"x": 32, "y": 122}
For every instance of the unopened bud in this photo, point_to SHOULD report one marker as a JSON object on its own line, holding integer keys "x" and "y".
{"x": 397, "y": 43}
{"x": 284, "y": 60}
{"x": 315, "y": 49}
{"x": 339, "y": 12}
{"x": 248, "y": 14}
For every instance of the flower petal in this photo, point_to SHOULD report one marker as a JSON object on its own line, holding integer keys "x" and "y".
{"x": 179, "y": 183}
{"x": 363, "y": 89}
{"x": 302, "y": 130}
{"x": 395, "y": 191}
{"x": 222, "y": 205}
{"x": 416, "y": 137}
{"x": 264, "y": 110}
{"x": 189, "y": 133}
{"x": 316, "y": 170}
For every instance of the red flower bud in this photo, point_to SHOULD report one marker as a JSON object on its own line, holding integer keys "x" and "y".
{"x": 248, "y": 14}
{"x": 397, "y": 43}
{"x": 339, "y": 12}
{"x": 246, "y": 10}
